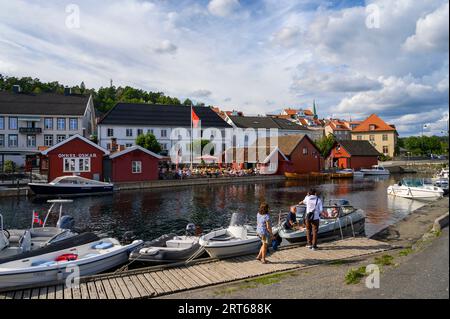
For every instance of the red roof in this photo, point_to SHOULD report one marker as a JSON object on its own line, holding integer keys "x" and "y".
{"x": 338, "y": 125}
{"x": 308, "y": 112}
{"x": 372, "y": 124}
{"x": 290, "y": 111}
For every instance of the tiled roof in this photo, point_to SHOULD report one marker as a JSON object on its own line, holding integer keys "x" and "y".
{"x": 373, "y": 119}
{"x": 264, "y": 122}
{"x": 286, "y": 143}
{"x": 290, "y": 111}
{"x": 42, "y": 104}
{"x": 359, "y": 148}
{"x": 164, "y": 115}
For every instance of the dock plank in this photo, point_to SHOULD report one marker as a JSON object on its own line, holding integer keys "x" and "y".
{"x": 101, "y": 293}
{"x": 108, "y": 289}
{"x": 116, "y": 288}
{"x": 43, "y": 293}
{"x": 148, "y": 286}
{"x": 123, "y": 288}
{"x": 154, "y": 283}
{"x": 84, "y": 291}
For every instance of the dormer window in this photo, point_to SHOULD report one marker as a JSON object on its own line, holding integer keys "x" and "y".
{"x": 372, "y": 127}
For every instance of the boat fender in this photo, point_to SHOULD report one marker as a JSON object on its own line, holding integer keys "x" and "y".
{"x": 67, "y": 257}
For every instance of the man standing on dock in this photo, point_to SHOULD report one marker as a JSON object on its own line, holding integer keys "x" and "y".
{"x": 314, "y": 207}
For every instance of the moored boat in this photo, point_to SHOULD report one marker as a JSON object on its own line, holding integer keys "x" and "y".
{"x": 67, "y": 186}
{"x": 341, "y": 220}
{"x": 415, "y": 189}
{"x": 375, "y": 170}
{"x": 235, "y": 240}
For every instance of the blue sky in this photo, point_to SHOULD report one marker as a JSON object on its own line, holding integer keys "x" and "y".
{"x": 353, "y": 57}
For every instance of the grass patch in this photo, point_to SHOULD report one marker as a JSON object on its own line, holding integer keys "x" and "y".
{"x": 385, "y": 260}
{"x": 340, "y": 262}
{"x": 270, "y": 279}
{"x": 354, "y": 276}
{"x": 406, "y": 251}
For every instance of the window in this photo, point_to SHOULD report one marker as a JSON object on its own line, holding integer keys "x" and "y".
{"x": 108, "y": 146}
{"x": 110, "y": 132}
{"x": 13, "y": 140}
{"x": 13, "y": 123}
{"x": 359, "y": 137}
{"x": 31, "y": 124}
{"x": 385, "y": 137}
{"x": 31, "y": 140}
{"x": 48, "y": 123}
{"x": 163, "y": 133}
{"x": 60, "y": 138}
{"x": 129, "y": 132}
{"x": 140, "y": 131}
{"x": 77, "y": 165}
{"x": 371, "y": 138}
{"x": 128, "y": 145}
{"x": 164, "y": 146}
{"x": 385, "y": 149}
{"x": 372, "y": 127}
{"x": 150, "y": 131}
{"x": 73, "y": 124}
{"x": 48, "y": 140}
{"x": 2, "y": 123}
{"x": 61, "y": 124}
{"x": 2, "y": 140}
{"x": 305, "y": 151}
{"x": 136, "y": 167}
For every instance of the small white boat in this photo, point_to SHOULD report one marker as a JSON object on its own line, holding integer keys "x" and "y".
{"x": 169, "y": 248}
{"x": 375, "y": 170}
{"x": 67, "y": 186}
{"x": 415, "y": 189}
{"x": 341, "y": 220}
{"x": 18, "y": 241}
{"x": 235, "y": 240}
{"x": 54, "y": 267}
{"x": 356, "y": 174}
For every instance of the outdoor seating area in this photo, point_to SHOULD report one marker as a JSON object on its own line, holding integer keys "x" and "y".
{"x": 205, "y": 172}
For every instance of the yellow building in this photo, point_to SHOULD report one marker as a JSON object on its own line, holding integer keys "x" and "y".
{"x": 380, "y": 134}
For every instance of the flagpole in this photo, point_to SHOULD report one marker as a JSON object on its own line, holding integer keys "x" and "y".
{"x": 192, "y": 141}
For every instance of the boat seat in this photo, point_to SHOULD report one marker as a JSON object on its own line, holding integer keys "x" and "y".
{"x": 102, "y": 245}
{"x": 222, "y": 238}
{"x": 179, "y": 243}
{"x": 43, "y": 263}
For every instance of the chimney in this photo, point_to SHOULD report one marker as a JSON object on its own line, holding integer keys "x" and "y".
{"x": 16, "y": 88}
{"x": 114, "y": 145}
{"x": 67, "y": 91}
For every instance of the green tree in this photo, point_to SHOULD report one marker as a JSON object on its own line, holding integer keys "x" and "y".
{"x": 188, "y": 102}
{"x": 325, "y": 144}
{"x": 149, "y": 142}
{"x": 10, "y": 166}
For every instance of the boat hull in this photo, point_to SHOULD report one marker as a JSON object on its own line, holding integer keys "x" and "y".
{"x": 414, "y": 193}
{"x": 239, "y": 249}
{"x": 46, "y": 190}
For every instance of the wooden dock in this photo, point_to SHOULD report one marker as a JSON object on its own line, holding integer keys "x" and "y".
{"x": 157, "y": 281}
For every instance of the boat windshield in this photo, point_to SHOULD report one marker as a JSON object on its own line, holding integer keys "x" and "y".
{"x": 412, "y": 182}
{"x": 237, "y": 219}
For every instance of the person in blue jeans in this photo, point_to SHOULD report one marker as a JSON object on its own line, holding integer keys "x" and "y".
{"x": 264, "y": 231}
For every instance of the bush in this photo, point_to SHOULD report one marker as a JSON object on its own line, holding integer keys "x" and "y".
{"x": 10, "y": 166}
{"x": 385, "y": 158}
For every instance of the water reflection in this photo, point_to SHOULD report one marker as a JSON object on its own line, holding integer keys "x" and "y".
{"x": 151, "y": 213}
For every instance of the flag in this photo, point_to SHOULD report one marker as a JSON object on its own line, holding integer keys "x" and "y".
{"x": 36, "y": 219}
{"x": 194, "y": 118}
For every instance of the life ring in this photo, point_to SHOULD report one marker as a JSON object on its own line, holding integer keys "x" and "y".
{"x": 67, "y": 257}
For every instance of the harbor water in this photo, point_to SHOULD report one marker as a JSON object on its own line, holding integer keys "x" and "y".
{"x": 151, "y": 213}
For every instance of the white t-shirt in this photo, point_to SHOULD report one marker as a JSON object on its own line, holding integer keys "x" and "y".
{"x": 310, "y": 202}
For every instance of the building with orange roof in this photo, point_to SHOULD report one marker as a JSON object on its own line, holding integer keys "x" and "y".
{"x": 340, "y": 129}
{"x": 380, "y": 134}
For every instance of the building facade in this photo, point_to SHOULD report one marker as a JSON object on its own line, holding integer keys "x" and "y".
{"x": 380, "y": 134}
{"x": 352, "y": 154}
{"x": 32, "y": 122}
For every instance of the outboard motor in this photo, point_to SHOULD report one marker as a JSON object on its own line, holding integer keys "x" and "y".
{"x": 128, "y": 237}
{"x": 66, "y": 222}
{"x": 190, "y": 229}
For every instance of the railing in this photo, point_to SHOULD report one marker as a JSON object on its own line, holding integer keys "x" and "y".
{"x": 30, "y": 130}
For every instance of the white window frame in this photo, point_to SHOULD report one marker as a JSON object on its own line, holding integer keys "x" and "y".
{"x": 136, "y": 167}
{"x": 72, "y": 164}
{"x": 13, "y": 127}
{"x": 58, "y": 122}
{"x": 30, "y": 138}
{"x": 2, "y": 140}
{"x": 108, "y": 130}
{"x": 73, "y": 120}
{"x": 385, "y": 137}
{"x": 58, "y": 136}
{"x": 46, "y": 139}
{"x": 139, "y": 131}
{"x": 16, "y": 145}
{"x": 2, "y": 122}
{"x": 129, "y": 132}
{"x": 163, "y": 133}
{"x": 46, "y": 121}
{"x": 305, "y": 151}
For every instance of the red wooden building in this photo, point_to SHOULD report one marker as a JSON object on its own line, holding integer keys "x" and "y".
{"x": 134, "y": 164}
{"x": 353, "y": 154}
{"x": 74, "y": 156}
{"x": 303, "y": 154}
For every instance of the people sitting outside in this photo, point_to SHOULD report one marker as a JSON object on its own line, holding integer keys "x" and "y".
{"x": 291, "y": 219}
{"x": 331, "y": 213}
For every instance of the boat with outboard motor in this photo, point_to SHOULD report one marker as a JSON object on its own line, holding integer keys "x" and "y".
{"x": 415, "y": 189}
{"x": 169, "y": 248}
{"x": 375, "y": 170}
{"x": 89, "y": 255}
{"x": 339, "y": 219}
{"x": 235, "y": 240}
{"x": 17, "y": 241}
{"x": 66, "y": 186}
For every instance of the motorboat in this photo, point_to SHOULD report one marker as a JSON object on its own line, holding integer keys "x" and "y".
{"x": 18, "y": 241}
{"x": 339, "y": 219}
{"x": 415, "y": 189}
{"x": 375, "y": 170}
{"x": 442, "y": 174}
{"x": 442, "y": 183}
{"x": 355, "y": 174}
{"x": 56, "y": 266}
{"x": 235, "y": 240}
{"x": 66, "y": 186}
{"x": 169, "y": 248}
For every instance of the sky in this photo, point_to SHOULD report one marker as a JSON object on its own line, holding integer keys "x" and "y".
{"x": 354, "y": 58}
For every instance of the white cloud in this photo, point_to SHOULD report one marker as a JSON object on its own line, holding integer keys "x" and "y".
{"x": 222, "y": 8}
{"x": 432, "y": 32}
{"x": 166, "y": 47}
{"x": 287, "y": 37}
{"x": 201, "y": 93}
